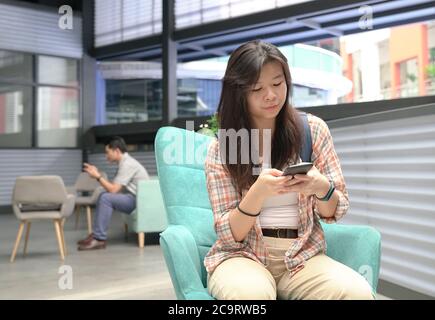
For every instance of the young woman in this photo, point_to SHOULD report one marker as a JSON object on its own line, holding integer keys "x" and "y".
{"x": 270, "y": 242}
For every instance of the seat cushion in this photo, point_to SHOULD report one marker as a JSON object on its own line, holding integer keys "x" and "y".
{"x": 39, "y": 207}
{"x": 84, "y": 201}
{"x": 36, "y": 215}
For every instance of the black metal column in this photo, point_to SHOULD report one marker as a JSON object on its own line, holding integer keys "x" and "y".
{"x": 169, "y": 63}
{"x": 88, "y": 34}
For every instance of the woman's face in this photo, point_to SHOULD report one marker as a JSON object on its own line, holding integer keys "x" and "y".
{"x": 267, "y": 96}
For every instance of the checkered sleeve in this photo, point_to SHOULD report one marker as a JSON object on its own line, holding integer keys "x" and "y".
{"x": 326, "y": 160}
{"x": 223, "y": 197}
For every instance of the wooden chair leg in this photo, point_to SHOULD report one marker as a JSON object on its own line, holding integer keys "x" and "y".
{"x": 126, "y": 231}
{"x": 59, "y": 238}
{"x": 77, "y": 216}
{"x": 17, "y": 241}
{"x": 62, "y": 233}
{"x": 26, "y": 239}
{"x": 89, "y": 216}
{"x": 141, "y": 239}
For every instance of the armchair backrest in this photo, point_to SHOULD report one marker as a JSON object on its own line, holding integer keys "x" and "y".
{"x": 85, "y": 183}
{"x": 180, "y": 156}
{"x": 38, "y": 191}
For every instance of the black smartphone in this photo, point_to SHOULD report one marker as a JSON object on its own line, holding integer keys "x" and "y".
{"x": 300, "y": 168}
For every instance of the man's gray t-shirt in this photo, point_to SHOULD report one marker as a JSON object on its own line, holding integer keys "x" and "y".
{"x": 130, "y": 171}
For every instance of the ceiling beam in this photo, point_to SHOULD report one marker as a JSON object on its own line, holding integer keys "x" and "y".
{"x": 310, "y": 23}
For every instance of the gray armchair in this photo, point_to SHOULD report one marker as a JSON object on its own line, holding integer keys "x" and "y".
{"x": 87, "y": 190}
{"x": 41, "y": 198}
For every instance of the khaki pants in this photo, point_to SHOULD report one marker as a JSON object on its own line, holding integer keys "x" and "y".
{"x": 321, "y": 278}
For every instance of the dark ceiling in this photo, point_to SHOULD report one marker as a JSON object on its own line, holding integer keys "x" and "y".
{"x": 75, "y": 4}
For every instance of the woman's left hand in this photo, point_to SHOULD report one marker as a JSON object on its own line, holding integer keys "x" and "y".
{"x": 308, "y": 184}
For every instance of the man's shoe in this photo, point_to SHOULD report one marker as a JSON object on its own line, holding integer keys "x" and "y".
{"x": 94, "y": 244}
{"x": 86, "y": 240}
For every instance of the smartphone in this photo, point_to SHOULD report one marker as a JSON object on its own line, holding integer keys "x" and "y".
{"x": 300, "y": 168}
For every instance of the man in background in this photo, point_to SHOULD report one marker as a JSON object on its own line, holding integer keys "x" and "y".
{"x": 120, "y": 194}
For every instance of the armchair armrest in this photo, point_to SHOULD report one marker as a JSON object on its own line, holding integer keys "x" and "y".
{"x": 358, "y": 247}
{"x": 183, "y": 261}
{"x": 68, "y": 206}
{"x": 150, "y": 209}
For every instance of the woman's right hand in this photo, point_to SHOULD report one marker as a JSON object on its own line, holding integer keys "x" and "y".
{"x": 271, "y": 182}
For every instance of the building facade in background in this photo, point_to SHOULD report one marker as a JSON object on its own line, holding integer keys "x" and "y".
{"x": 390, "y": 63}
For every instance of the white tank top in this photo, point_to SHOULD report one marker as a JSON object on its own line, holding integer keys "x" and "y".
{"x": 280, "y": 211}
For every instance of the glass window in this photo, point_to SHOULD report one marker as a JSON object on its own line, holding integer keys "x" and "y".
{"x": 374, "y": 65}
{"x": 128, "y": 91}
{"x": 367, "y": 66}
{"x": 306, "y": 97}
{"x": 16, "y": 66}
{"x": 57, "y": 71}
{"x": 15, "y": 116}
{"x": 57, "y": 117}
{"x": 198, "y": 97}
{"x": 56, "y": 107}
{"x": 132, "y": 90}
{"x": 133, "y": 100}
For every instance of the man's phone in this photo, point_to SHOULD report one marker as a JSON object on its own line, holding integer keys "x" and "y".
{"x": 300, "y": 168}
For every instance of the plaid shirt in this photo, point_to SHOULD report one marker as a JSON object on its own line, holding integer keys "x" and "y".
{"x": 224, "y": 198}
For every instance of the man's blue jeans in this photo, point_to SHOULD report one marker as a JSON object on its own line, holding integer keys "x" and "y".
{"x": 107, "y": 202}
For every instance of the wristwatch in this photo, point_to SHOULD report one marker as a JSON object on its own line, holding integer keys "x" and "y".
{"x": 329, "y": 193}
{"x": 98, "y": 179}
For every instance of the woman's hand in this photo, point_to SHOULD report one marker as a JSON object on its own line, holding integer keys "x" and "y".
{"x": 308, "y": 184}
{"x": 271, "y": 182}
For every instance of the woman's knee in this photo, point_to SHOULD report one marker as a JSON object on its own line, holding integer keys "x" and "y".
{"x": 326, "y": 279}
{"x": 356, "y": 289}
{"x": 244, "y": 291}
{"x": 242, "y": 279}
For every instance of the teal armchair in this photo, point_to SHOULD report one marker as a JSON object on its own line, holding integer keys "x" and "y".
{"x": 180, "y": 157}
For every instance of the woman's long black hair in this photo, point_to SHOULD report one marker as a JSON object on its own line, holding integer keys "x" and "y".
{"x": 243, "y": 70}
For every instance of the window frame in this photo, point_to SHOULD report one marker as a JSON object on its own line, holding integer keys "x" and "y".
{"x": 35, "y": 85}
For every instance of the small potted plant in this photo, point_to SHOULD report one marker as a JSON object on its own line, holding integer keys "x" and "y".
{"x": 211, "y": 127}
